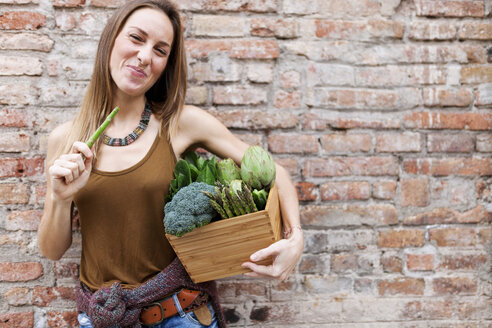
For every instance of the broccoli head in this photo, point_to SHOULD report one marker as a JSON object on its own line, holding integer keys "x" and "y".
{"x": 189, "y": 209}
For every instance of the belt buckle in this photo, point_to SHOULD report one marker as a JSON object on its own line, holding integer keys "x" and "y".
{"x": 162, "y": 312}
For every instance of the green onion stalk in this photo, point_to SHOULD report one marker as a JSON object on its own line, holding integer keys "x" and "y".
{"x": 103, "y": 127}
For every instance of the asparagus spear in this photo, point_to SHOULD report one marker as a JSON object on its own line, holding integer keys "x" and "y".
{"x": 103, "y": 126}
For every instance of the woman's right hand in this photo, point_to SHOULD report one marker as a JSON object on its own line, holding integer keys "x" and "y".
{"x": 70, "y": 172}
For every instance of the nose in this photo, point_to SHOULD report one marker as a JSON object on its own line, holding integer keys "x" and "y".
{"x": 144, "y": 55}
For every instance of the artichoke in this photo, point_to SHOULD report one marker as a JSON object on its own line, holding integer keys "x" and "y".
{"x": 227, "y": 171}
{"x": 258, "y": 168}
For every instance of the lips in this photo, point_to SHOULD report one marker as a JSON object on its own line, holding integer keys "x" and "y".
{"x": 137, "y": 72}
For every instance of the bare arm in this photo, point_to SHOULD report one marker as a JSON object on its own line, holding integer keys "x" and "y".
{"x": 64, "y": 178}
{"x": 197, "y": 127}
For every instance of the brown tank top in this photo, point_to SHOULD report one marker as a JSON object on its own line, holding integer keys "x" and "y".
{"x": 121, "y": 218}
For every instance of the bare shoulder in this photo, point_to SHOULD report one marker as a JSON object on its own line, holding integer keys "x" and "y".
{"x": 57, "y": 137}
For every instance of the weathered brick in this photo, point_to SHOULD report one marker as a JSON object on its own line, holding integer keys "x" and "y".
{"x": 315, "y": 121}
{"x": 19, "y": 2}
{"x": 341, "y": 263}
{"x": 359, "y": 30}
{"x": 17, "y": 320}
{"x": 452, "y": 236}
{"x": 345, "y": 166}
{"x": 66, "y": 270}
{"x": 353, "y": 215}
{"x": 450, "y": 143}
{"x": 476, "y": 74}
{"x": 420, "y": 262}
{"x": 454, "y": 285}
{"x": 401, "y": 286}
{"x": 484, "y": 143}
{"x": 17, "y": 296}
{"x": 107, "y": 3}
{"x": 260, "y": 72}
{"x": 392, "y": 75}
{"x": 219, "y": 68}
{"x": 217, "y": 25}
{"x": 196, "y": 95}
{"x": 14, "y": 193}
{"x": 274, "y": 27}
{"x": 13, "y": 142}
{"x": 415, "y": 192}
{"x": 438, "y": 97}
{"x": 238, "y": 95}
{"x": 287, "y": 143}
{"x": 45, "y": 296}
{"x": 399, "y": 142}
{"x": 475, "y": 31}
{"x": 391, "y": 263}
{"x": 375, "y": 99}
{"x": 485, "y": 236}
{"x": 15, "y": 65}
{"x": 462, "y": 261}
{"x": 24, "y": 220}
{"x": 344, "y": 8}
{"x": 425, "y": 30}
{"x": 483, "y": 96}
{"x": 288, "y": 100}
{"x": 346, "y": 143}
{"x": 290, "y": 79}
{"x": 314, "y": 264}
{"x": 401, "y": 238}
{"x": 448, "y": 216}
{"x": 306, "y": 191}
{"x": 20, "y": 271}
{"x": 14, "y": 118}
{"x": 68, "y": 3}
{"x": 442, "y": 120}
{"x": 449, "y": 166}
{"x": 26, "y": 41}
{"x": 384, "y": 189}
{"x": 299, "y": 7}
{"x": 345, "y": 190}
{"x": 65, "y": 21}
{"x": 319, "y": 74}
{"x": 450, "y": 8}
{"x": 17, "y": 94}
{"x": 251, "y": 138}
{"x": 255, "y": 49}
{"x": 57, "y": 319}
{"x": 256, "y": 119}
{"x": 21, "y": 167}
{"x": 21, "y": 20}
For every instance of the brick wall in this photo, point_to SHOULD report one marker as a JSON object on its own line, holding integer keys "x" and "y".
{"x": 380, "y": 110}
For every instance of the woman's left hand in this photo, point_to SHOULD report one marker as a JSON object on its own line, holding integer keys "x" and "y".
{"x": 285, "y": 254}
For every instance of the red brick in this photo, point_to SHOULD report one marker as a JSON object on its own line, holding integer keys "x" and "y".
{"x": 399, "y": 142}
{"x": 254, "y": 49}
{"x": 462, "y": 262}
{"x": 20, "y": 271}
{"x": 392, "y": 264}
{"x": 23, "y": 220}
{"x": 312, "y": 121}
{"x": 21, "y": 20}
{"x": 238, "y": 95}
{"x": 202, "y": 48}
{"x": 68, "y": 270}
{"x": 454, "y": 285}
{"x": 21, "y": 167}
{"x": 396, "y": 75}
{"x": 442, "y": 120}
{"x": 449, "y": 166}
{"x": 401, "y": 238}
{"x": 341, "y": 263}
{"x": 414, "y": 192}
{"x": 438, "y": 97}
{"x": 420, "y": 262}
{"x": 384, "y": 189}
{"x": 25, "y": 41}
{"x": 313, "y": 264}
{"x": 14, "y": 193}
{"x": 17, "y": 296}
{"x": 107, "y": 3}
{"x": 345, "y": 166}
{"x": 452, "y": 236}
{"x": 62, "y": 319}
{"x": 447, "y": 216}
{"x": 256, "y": 119}
{"x": 274, "y": 27}
{"x": 424, "y": 30}
{"x": 450, "y": 143}
{"x": 346, "y": 143}
{"x": 475, "y": 31}
{"x": 306, "y": 191}
{"x": 290, "y": 164}
{"x": 359, "y": 30}
{"x": 17, "y": 320}
{"x": 340, "y": 215}
{"x": 476, "y": 74}
{"x": 401, "y": 286}
{"x": 485, "y": 236}
{"x": 450, "y": 8}
{"x": 288, "y": 100}
{"x": 14, "y": 142}
{"x": 45, "y": 296}
{"x": 68, "y": 3}
{"x": 345, "y": 190}
{"x": 298, "y": 144}
{"x": 13, "y": 118}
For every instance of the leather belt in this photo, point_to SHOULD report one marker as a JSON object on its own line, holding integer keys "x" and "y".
{"x": 156, "y": 312}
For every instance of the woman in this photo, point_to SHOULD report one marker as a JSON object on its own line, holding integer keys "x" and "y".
{"x": 119, "y": 186}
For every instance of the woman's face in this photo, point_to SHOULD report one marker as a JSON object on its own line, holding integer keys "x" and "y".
{"x": 140, "y": 51}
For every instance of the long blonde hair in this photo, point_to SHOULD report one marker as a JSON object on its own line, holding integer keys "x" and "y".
{"x": 166, "y": 96}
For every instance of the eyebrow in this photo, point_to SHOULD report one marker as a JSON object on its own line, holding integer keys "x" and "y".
{"x": 161, "y": 42}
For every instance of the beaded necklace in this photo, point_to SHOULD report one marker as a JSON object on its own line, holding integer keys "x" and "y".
{"x": 142, "y": 125}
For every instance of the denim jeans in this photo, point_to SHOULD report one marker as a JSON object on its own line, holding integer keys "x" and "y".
{"x": 180, "y": 320}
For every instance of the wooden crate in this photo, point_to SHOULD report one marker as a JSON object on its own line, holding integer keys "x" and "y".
{"x": 218, "y": 249}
